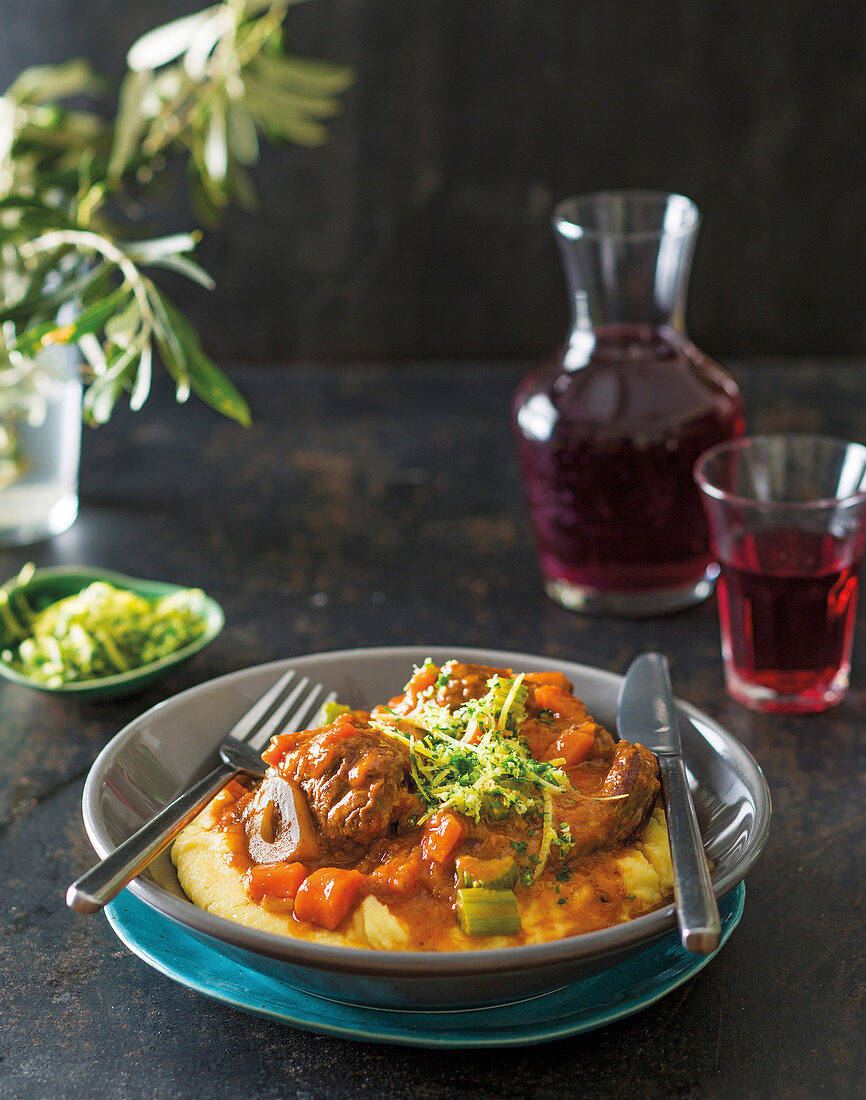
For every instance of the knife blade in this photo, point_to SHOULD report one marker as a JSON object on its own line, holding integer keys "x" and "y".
{"x": 646, "y": 714}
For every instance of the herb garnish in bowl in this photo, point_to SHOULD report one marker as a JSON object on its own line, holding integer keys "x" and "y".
{"x": 98, "y": 632}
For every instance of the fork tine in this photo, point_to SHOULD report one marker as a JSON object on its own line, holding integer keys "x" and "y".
{"x": 242, "y": 729}
{"x": 308, "y": 707}
{"x": 260, "y": 736}
{"x": 269, "y": 719}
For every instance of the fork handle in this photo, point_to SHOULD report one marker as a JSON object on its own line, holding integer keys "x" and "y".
{"x": 107, "y": 878}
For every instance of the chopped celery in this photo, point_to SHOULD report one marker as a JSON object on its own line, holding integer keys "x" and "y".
{"x": 494, "y": 874}
{"x": 483, "y": 912}
{"x": 330, "y": 712}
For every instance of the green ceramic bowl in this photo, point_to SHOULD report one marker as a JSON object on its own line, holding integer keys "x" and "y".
{"x": 48, "y": 585}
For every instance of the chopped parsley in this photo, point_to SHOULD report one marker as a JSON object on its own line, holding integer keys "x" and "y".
{"x": 474, "y": 761}
{"x": 442, "y": 678}
{"x": 563, "y": 839}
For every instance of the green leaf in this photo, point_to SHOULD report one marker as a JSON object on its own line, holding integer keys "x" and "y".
{"x": 35, "y": 214}
{"x": 165, "y": 43}
{"x": 170, "y": 348}
{"x": 104, "y": 391}
{"x": 130, "y": 123}
{"x": 189, "y": 268}
{"x": 205, "y": 211}
{"x": 158, "y": 248}
{"x": 102, "y": 285}
{"x": 206, "y": 379}
{"x": 124, "y": 325}
{"x": 141, "y": 389}
{"x": 88, "y": 321}
{"x": 299, "y": 130}
{"x": 212, "y": 386}
{"x": 303, "y": 75}
{"x": 276, "y": 100}
{"x": 48, "y": 302}
{"x": 242, "y": 137}
{"x": 203, "y": 42}
{"x": 45, "y": 83}
{"x": 215, "y": 152}
{"x": 242, "y": 188}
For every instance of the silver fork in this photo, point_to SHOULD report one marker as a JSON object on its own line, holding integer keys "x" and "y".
{"x": 239, "y": 753}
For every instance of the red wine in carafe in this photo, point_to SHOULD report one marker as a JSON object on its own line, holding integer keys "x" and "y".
{"x": 607, "y": 453}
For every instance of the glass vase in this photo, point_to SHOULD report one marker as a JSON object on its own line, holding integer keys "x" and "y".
{"x": 40, "y": 446}
{"x": 608, "y": 429}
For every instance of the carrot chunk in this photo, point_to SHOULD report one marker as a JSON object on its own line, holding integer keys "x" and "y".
{"x": 573, "y": 745}
{"x": 553, "y": 679}
{"x": 280, "y": 880}
{"x": 400, "y": 875}
{"x": 442, "y": 833}
{"x": 562, "y": 703}
{"x": 422, "y": 679}
{"x": 327, "y": 895}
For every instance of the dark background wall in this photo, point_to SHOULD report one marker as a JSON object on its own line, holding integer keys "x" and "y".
{"x": 422, "y": 228}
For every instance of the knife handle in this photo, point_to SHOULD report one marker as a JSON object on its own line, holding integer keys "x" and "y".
{"x": 697, "y": 910}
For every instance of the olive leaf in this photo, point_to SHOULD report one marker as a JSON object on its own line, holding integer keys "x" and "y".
{"x": 35, "y": 210}
{"x": 47, "y": 83}
{"x": 199, "y": 371}
{"x": 88, "y": 321}
{"x": 130, "y": 123}
{"x": 141, "y": 388}
{"x": 160, "y": 248}
{"x": 204, "y": 39}
{"x": 168, "y": 42}
{"x": 241, "y": 134}
{"x": 109, "y": 385}
{"x": 183, "y": 265}
{"x": 307, "y": 77}
{"x": 216, "y": 153}
{"x": 49, "y": 302}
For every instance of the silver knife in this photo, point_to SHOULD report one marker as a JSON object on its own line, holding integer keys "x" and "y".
{"x": 647, "y": 714}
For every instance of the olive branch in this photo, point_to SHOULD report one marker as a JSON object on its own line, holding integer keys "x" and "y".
{"x": 207, "y": 87}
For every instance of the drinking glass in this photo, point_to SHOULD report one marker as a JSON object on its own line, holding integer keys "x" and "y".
{"x": 786, "y": 515}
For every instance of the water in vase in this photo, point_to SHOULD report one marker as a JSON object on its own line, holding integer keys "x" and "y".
{"x": 39, "y": 470}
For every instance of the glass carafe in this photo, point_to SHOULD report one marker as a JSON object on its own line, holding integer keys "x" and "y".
{"x": 609, "y": 429}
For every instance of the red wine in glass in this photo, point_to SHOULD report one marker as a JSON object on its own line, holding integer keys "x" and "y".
{"x": 787, "y": 606}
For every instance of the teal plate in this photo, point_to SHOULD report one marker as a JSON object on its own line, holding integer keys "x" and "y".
{"x": 58, "y": 582}
{"x": 620, "y": 991}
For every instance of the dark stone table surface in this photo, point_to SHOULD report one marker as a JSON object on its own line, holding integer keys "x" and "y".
{"x": 375, "y": 505}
